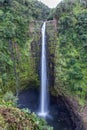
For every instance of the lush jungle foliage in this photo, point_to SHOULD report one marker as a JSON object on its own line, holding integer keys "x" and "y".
{"x": 16, "y": 64}
{"x": 71, "y": 61}
{"x": 12, "y": 118}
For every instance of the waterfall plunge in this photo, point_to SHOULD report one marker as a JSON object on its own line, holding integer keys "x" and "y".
{"x": 44, "y": 90}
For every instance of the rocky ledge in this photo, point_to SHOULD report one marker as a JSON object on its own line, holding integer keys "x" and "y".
{"x": 78, "y": 113}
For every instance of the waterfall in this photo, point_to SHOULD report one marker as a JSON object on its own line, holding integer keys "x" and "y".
{"x": 44, "y": 95}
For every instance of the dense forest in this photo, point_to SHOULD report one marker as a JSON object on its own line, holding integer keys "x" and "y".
{"x": 17, "y": 68}
{"x": 20, "y": 24}
{"x": 71, "y": 62}
{"x": 15, "y": 60}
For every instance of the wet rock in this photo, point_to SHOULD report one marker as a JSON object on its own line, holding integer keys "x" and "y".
{"x": 77, "y": 118}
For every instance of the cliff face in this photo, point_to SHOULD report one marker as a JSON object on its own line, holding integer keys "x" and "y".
{"x": 76, "y": 111}
{"x": 35, "y": 30}
{"x": 51, "y": 33}
{"x": 78, "y": 116}
{"x": 57, "y": 88}
{"x": 71, "y": 52}
{"x": 71, "y": 59}
{"x": 50, "y": 43}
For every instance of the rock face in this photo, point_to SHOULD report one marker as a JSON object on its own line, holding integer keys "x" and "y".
{"x": 51, "y": 45}
{"x": 35, "y": 30}
{"x": 78, "y": 116}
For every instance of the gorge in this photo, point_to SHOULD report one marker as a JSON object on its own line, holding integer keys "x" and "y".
{"x": 55, "y": 112}
{"x": 65, "y": 62}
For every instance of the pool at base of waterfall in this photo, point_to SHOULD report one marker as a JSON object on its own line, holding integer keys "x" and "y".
{"x": 57, "y": 116}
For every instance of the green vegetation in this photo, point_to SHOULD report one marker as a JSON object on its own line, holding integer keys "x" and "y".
{"x": 18, "y": 60}
{"x": 71, "y": 51}
{"x": 12, "y": 118}
{"x": 20, "y": 23}
{"x": 15, "y": 119}
{"x": 17, "y": 67}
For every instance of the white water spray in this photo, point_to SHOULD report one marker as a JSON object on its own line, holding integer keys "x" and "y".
{"x": 44, "y": 95}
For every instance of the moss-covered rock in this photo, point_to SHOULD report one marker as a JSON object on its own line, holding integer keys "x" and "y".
{"x": 51, "y": 39}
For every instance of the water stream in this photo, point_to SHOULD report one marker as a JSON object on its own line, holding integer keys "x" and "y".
{"x": 44, "y": 94}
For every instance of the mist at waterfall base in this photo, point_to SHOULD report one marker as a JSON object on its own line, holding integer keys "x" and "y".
{"x": 60, "y": 118}
{"x": 57, "y": 114}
